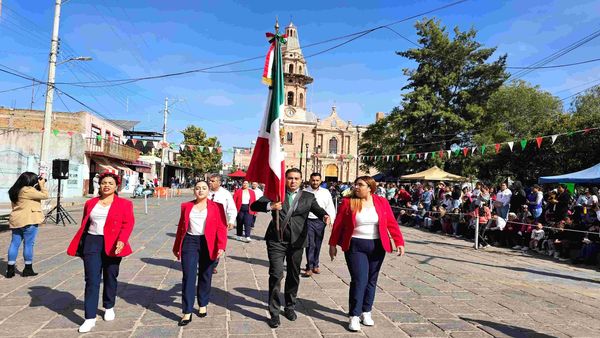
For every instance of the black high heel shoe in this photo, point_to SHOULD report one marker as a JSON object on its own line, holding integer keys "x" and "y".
{"x": 183, "y": 321}
{"x": 203, "y": 314}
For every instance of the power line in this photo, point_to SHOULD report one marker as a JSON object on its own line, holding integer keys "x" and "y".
{"x": 351, "y": 37}
{"x": 18, "y": 88}
{"x": 558, "y": 66}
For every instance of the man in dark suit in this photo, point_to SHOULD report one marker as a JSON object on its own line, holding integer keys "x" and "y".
{"x": 288, "y": 243}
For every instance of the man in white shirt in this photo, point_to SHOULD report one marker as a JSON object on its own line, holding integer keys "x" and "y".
{"x": 220, "y": 195}
{"x": 503, "y": 201}
{"x": 257, "y": 192}
{"x": 315, "y": 226}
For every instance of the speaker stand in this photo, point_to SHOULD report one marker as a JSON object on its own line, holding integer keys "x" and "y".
{"x": 62, "y": 215}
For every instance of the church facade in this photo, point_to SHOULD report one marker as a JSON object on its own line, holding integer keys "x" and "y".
{"x": 328, "y": 146}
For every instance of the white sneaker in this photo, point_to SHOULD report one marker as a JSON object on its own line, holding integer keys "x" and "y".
{"x": 366, "y": 319}
{"x": 87, "y": 325}
{"x": 248, "y": 239}
{"x": 109, "y": 314}
{"x": 354, "y": 324}
{"x": 238, "y": 238}
{"x": 516, "y": 247}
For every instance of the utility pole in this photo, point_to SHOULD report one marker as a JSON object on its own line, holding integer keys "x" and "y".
{"x": 50, "y": 92}
{"x": 301, "y": 143}
{"x": 164, "y": 149}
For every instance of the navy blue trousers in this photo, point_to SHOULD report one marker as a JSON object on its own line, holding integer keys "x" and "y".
{"x": 98, "y": 266}
{"x": 195, "y": 261}
{"x": 245, "y": 221}
{"x": 316, "y": 231}
{"x": 364, "y": 259}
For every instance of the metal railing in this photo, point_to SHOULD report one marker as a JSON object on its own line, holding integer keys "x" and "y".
{"x": 111, "y": 149}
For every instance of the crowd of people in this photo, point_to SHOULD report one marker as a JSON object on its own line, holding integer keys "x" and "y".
{"x": 546, "y": 220}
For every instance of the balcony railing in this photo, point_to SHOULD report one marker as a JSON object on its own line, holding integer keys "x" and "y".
{"x": 111, "y": 149}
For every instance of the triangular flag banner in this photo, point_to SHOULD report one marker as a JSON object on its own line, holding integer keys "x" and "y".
{"x": 510, "y": 145}
{"x": 397, "y": 157}
{"x": 190, "y": 147}
{"x": 412, "y": 156}
{"x": 553, "y": 138}
{"x": 144, "y": 143}
{"x": 497, "y": 146}
{"x": 219, "y": 150}
{"x": 173, "y": 146}
{"x": 55, "y": 132}
{"x": 99, "y": 137}
{"x": 181, "y": 146}
{"x": 449, "y": 153}
{"x": 465, "y": 151}
{"x": 408, "y": 156}
{"x": 538, "y": 140}
{"x": 70, "y": 133}
{"x": 483, "y": 149}
{"x": 523, "y": 144}
{"x": 210, "y": 149}
{"x": 425, "y": 156}
{"x": 473, "y": 150}
{"x": 570, "y": 133}
{"x": 456, "y": 151}
{"x": 441, "y": 154}
{"x": 201, "y": 148}
{"x": 586, "y": 130}
{"x": 433, "y": 154}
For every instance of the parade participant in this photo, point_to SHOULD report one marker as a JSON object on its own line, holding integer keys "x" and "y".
{"x": 201, "y": 239}
{"x": 221, "y": 195}
{"x": 256, "y": 189}
{"x": 316, "y": 227}
{"x": 287, "y": 243}
{"x": 363, "y": 227}
{"x": 102, "y": 241}
{"x": 245, "y": 217}
{"x": 25, "y": 196}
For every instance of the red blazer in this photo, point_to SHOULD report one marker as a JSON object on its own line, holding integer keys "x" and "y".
{"x": 215, "y": 230}
{"x": 345, "y": 221}
{"x": 237, "y": 198}
{"x": 118, "y": 226}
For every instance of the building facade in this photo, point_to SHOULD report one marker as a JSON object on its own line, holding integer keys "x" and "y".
{"x": 90, "y": 143}
{"x": 328, "y": 146}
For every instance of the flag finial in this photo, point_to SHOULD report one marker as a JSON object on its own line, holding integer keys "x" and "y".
{"x": 276, "y": 25}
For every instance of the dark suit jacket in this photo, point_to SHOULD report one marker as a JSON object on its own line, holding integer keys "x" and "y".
{"x": 297, "y": 224}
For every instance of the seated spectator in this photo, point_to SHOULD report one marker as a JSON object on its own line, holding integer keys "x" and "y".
{"x": 525, "y": 232}
{"x": 495, "y": 230}
{"x": 403, "y": 197}
{"x": 537, "y": 236}
{"x": 591, "y": 246}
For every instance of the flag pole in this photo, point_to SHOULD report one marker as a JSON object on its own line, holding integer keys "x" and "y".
{"x": 277, "y": 225}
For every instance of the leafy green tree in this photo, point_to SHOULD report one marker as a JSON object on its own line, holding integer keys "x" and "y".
{"x": 446, "y": 98}
{"x": 201, "y": 161}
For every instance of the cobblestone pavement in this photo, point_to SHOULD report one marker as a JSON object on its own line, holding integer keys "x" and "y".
{"x": 441, "y": 288}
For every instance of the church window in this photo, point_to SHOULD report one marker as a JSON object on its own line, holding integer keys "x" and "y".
{"x": 347, "y": 144}
{"x": 289, "y": 137}
{"x": 299, "y": 69}
{"x": 291, "y": 71}
{"x": 333, "y": 123}
{"x": 290, "y": 98}
{"x": 301, "y": 100}
{"x": 333, "y": 143}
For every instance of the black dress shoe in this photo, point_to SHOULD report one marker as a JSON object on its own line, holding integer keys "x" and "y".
{"x": 274, "y": 322}
{"x": 184, "y": 322}
{"x": 290, "y": 314}
{"x": 202, "y": 314}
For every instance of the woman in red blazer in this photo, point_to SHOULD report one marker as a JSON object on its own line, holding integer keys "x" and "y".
{"x": 201, "y": 239}
{"x": 102, "y": 240}
{"x": 361, "y": 228}
{"x": 245, "y": 217}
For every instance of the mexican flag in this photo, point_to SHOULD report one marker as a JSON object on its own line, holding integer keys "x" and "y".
{"x": 267, "y": 164}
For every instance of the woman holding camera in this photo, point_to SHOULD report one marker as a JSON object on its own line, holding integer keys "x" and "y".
{"x": 26, "y": 196}
{"x": 102, "y": 241}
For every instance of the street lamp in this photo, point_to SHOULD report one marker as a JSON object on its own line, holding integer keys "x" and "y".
{"x": 79, "y": 58}
{"x": 306, "y": 162}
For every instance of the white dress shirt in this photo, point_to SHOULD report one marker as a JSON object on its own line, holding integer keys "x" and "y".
{"x": 98, "y": 219}
{"x": 197, "y": 222}
{"x": 324, "y": 200}
{"x": 258, "y": 193}
{"x": 504, "y": 196}
{"x": 224, "y": 197}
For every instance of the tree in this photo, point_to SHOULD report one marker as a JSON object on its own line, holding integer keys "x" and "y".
{"x": 198, "y": 157}
{"x": 448, "y": 93}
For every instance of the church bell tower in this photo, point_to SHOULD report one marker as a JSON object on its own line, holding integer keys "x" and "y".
{"x": 295, "y": 76}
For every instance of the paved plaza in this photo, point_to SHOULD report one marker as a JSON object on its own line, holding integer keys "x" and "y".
{"x": 441, "y": 288}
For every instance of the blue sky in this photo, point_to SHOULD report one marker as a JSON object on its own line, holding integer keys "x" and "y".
{"x": 141, "y": 38}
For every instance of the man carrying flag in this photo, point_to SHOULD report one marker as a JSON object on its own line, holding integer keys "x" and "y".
{"x": 286, "y": 235}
